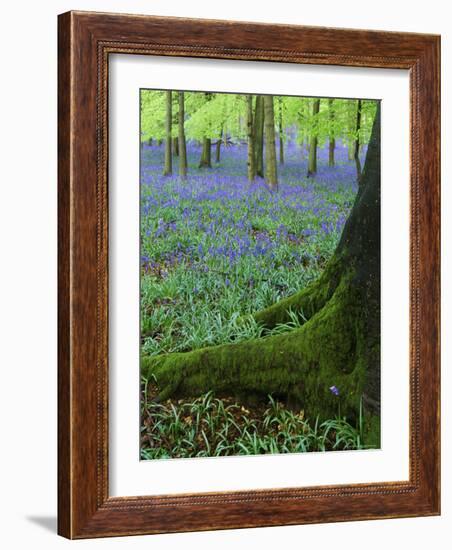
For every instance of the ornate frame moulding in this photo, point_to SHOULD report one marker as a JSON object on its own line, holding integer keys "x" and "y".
{"x": 85, "y": 42}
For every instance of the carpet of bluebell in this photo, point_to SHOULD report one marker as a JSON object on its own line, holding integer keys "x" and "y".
{"x": 215, "y": 246}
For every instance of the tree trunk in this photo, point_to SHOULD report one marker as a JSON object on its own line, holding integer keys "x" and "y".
{"x": 218, "y": 147}
{"x": 176, "y": 146}
{"x": 331, "y": 148}
{"x": 206, "y": 161}
{"x": 150, "y": 142}
{"x": 281, "y": 139}
{"x": 251, "y": 171}
{"x": 338, "y": 344}
{"x": 312, "y": 161}
{"x": 271, "y": 176}
{"x": 332, "y": 141}
{"x": 259, "y": 136}
{"x": 181, "y": 138}
{"x": 168, "y": 169}
{"x": 356, "y": 144}
{"x": 206, "y": 154}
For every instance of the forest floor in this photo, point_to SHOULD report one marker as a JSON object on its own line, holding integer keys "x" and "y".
{"x": 213, "y": 248}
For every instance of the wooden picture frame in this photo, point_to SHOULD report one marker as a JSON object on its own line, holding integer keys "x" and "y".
{"x": 85, "y": 42}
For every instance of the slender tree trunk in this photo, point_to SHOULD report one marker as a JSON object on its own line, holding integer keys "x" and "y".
{"x": 280, "y": 131}
{"x": 206, "y": 154}
{"x": 312, "y": 162}
{"x": 356, "y": 144}
{"x": 150, "y": 142}
{"x": 331, "y": 148}
{"x": 159, "y": 142}
{"x": 168, "y": 170}
{"x": 250, "y": 136}
{"x": 181, "y": 137}
{"x": 259, "y": 136}
{"x": 271, "y": 176}
{"x": 332, "y": 141}
{"x": 176, "y": 146}
{"x": 206, "y": 161}
{"x": 338, "y": 343}
{"x": 218, "y": 147}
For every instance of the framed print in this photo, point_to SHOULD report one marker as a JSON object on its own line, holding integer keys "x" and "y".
{"x": 248, "y": 275}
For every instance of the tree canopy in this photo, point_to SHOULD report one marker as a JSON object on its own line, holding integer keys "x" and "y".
{"x": 221, "y": 112}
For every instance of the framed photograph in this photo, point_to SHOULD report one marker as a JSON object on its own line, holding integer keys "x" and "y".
{"x": 248, "y": 275}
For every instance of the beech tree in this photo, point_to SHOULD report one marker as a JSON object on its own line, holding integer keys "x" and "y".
{"x": 250, "y": 138}
{"x": 181, "y": 137}
{"x": 338, "y": 342}
{"x": 215, "y": 118}
{"x": 280, "y": 130}
{"x": 259, "y": 136}
{"x": 218, "y": 147}
{"x": 206, "y": 154}
{"x": 312, "y": 161}
{"x": 168, "y": 169}
{"x": 271, "y": 176}
{"x": 332, "y": 141}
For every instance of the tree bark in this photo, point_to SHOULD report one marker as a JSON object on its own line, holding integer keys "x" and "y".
{"x": 218, "y": 147}
{"x": 206, "y": 161}
{"x": 259, "y": 136}
{"x": 280, "y": 131}
{"x": 168, "y": 169}
{"x": 332, "y": 141}
{"x": 176, "y": 146}
{"x": 312, "y": 161}
{"x": 338, "y": 344}
{"x": 356, "y": 143}
{"x": 251, "y": 171}
{"x": 271, "y": 176}
{"x": 181, "y": 137}
{"x": 206, "y": 154}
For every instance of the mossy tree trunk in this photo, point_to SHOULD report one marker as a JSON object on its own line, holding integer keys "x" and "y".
{"x": 271, "y": 175}
{"x": 259, "y": 136}
{"x": 338, "y": 344}
{"x": 312, "y": 161}
{"x": 168, "y": 169}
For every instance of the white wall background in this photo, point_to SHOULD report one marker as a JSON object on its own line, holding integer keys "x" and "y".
{"x": 28, "y": 270}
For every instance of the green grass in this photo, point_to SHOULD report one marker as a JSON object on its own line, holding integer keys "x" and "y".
{"x": 209, "y": 426}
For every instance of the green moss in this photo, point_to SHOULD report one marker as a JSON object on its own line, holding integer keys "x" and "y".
{"x": 372, "y": 431}
{"x": 308, "y": 301}
{"x": 329, "y": 349}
